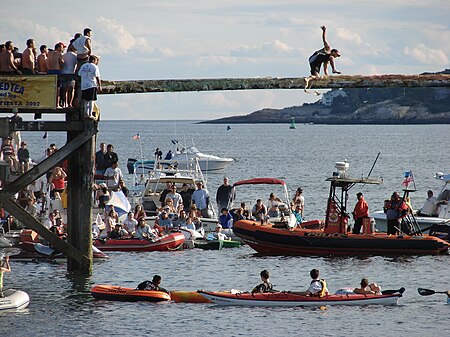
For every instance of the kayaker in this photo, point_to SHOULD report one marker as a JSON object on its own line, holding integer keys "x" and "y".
{"x": 317, "y": 287}
{"x": 367, "y": 288}
{"x": 4, "y": 268}
{"x": 265, "y": 286}
{"x": 152, "y": 285}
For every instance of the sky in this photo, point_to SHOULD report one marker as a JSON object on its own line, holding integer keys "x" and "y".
{"x": 181, "y": 39}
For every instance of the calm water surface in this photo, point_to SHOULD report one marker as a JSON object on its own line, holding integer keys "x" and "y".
{"x": 62, "y": 306}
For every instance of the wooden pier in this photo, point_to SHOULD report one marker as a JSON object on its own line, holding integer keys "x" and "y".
{"x": 80, "y": 147}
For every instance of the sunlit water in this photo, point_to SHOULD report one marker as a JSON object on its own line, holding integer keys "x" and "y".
{"x": 62, "y": 306}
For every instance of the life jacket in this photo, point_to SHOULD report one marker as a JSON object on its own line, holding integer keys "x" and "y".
{"x": 146, "y": 285}
{"x": 323, "y": 291}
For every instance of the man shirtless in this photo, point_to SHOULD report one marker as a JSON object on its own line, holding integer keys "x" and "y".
{"x": 7, "y": 64}
{"x": 325, "y": 55}
{"x": 54, "y": 64}
{"x": 29, "y": 58}
{"x": 42, "y": 60}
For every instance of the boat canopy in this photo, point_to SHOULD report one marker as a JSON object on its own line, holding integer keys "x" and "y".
{"x": 258, "y": 181}
{"x": 349, "y": 180}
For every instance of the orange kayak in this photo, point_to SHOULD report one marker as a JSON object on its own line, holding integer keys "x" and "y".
{"x": 179, "y": 296}
{"x": 117, "y": 293}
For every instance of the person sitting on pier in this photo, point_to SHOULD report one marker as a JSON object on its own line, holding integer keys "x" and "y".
{"x": 367, "y": 288}
{"x": 24, "y": 158}
{"x": 8, "y": 154}
{"x": 430, "y": 206}
{"x": 154, "y": 285}
{"x": 317, "y": 287}
{"x": 259, "y": 211}
{"x": 322, "y": 56}
{"x": 144, "y": 231}
{"x": 265, "y": 286}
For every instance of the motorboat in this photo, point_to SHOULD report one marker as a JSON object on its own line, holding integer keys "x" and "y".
{"x": 14, "y": 300}
{"x": 293, "y": 299}
{"x": 183, "y": 158}
{"x": 423, "y": 223}
{"x": 333, "y": 238}
{"x": 166, "y": 242}
{"x": 117, "y": 293}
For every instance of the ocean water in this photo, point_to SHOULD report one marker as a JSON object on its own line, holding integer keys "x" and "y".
{"x": 62, "y": 306}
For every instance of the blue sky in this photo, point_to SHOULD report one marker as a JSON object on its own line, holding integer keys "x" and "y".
{"x": 253, "y": 38}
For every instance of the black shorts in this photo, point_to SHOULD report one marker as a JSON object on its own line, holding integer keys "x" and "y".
{"x": 315, "y": 69}
{"x": 89, "y": 94}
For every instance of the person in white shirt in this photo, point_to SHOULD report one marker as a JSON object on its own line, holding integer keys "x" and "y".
{"x": 90, "y": 84}
{"x": 130, "y": 223}
{"x": 317, "y": 286}
{"x": 430, "y": 206}
{"x": 50, "y": 222}
{"x": 112, "y": 176}
{"x": 176, "y": 197}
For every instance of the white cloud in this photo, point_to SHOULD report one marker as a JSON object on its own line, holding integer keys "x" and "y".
{"x": 348, "y": 36}
{"x": 425, "y": 55}
{"x": 274, "y": 48}
{"x": 218, "y": 100}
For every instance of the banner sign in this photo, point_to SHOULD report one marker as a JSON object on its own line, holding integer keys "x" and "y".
{"x": 28, "y": 92}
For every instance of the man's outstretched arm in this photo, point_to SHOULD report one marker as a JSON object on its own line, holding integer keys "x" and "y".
{"x": 324, "y": 39}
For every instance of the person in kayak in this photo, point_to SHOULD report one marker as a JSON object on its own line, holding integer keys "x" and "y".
{"x": 317, "y": 287}
{"x": 152, "y": 285}
{"x": 265, "y": 286}
{"x": 367, "y": 288}
{"x": 4, "y": 268}
{"x": 322, "y": 56}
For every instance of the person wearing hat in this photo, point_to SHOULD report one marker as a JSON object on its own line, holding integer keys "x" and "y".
{"x": 322, "y": 56}
{"x": 360, "y": 212}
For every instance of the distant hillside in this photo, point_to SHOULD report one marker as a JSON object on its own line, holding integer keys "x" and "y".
{"x": 362, "y": 106}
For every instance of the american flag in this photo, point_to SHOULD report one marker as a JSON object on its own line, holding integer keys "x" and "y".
{"x": 137, "y": 136}
{"x": 409, "y": 178}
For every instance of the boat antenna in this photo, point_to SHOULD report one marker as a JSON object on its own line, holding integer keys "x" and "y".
{"x": 371, "y": 169}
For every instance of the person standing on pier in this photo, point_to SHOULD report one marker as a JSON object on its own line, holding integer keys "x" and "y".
{"x": 29, "y": 58}
{"x": 322, "y": 56}
{"x": 90, "y": 84}
{"x": 7, "y": 64}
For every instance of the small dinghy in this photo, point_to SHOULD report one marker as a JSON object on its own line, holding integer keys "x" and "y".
{"x": 292, "y": 299}
{"x": 117, "y": 293}
{"x": 14, "y": 300}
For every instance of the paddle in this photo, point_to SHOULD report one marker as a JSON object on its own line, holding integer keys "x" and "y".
{"x": 391, "y": 292}
{"x": 428, "y": 292}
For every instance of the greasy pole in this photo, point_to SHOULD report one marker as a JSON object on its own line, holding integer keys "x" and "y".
{"x": 211, "y": 84}
{"x": 80, "y": 179}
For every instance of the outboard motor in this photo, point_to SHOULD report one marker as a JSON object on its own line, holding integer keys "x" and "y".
{"x": 442, "y": 231}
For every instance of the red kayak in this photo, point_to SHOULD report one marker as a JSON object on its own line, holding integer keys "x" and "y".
{"x": 117, "y": 293}
{"x": 167, "y": 242}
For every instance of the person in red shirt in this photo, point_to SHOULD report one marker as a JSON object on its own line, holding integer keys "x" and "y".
{"x": 360, "y": 212}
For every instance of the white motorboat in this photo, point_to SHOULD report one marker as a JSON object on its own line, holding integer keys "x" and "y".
{"x": 14, "y": 300}
{"x": 423, "y": 222}
{"x": 184, "y": 159}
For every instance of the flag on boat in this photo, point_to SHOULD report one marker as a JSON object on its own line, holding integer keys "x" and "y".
{"x": 409, "y": 178}
{"x": 120, "y": 203}
{"x": 137, "y": 136}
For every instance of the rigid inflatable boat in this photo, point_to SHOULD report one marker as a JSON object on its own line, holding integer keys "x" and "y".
{"x": 117, "y": 293}
{"x": 291, "y": 299}
{"x": 14, "y": 300}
